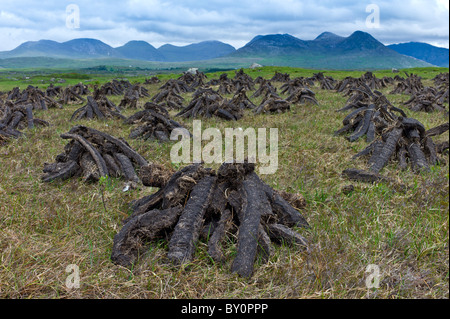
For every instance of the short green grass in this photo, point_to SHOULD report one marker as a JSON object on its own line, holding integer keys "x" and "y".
{"x": 46, "y": 227}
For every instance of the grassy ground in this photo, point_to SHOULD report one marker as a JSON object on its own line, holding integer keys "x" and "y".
{"x": 46, "y": 227}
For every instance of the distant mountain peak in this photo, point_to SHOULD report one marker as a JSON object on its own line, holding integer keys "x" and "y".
{"x": 360, "y": 41}
{"x": 327, "y": 36}
{"x": 273, "y": 44}
{"x": 328, "y": 51}
{"x": 423, "y": 51}
{"x": 196, "y": 51}
{"x": 140, "y": 50}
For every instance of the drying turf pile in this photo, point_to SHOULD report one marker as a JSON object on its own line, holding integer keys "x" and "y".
{"x": 198, "y": 201}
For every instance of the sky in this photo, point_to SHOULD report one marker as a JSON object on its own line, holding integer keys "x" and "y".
{"x": 234, "y": 22}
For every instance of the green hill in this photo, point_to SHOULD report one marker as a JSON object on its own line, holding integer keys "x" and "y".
{"x": 423, "y": 51}
{"x": 358, "y": 51}
{"x": 195, "y": 52}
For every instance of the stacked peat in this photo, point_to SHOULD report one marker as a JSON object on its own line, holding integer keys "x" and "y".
{"x": 406, "y": 141}
{"x": 70, "y": 96}
{"x": 194, "y": 80}
{"x": 273, "y": 104}
{"x": 280, "y": 77}
{"x": 410, "y": 86}
{"x": 442, "y": 81}
{"x": 265, "y": 89}
{"x": 243, "y": 80}
{"x": 368, "y": 81}
{"x": 436, "y": 131}
{"x": 152, "y": 80}
{"x": 241, "y": 99}
{"x": 32, "y": 96}
{"x": 15, "y": 118}
{"x": 325, "y": 82}
{"x": 199, "y": 202}
{"x": 207, "y": 103}
{"x": 92, "y": 154}
{"x": 302, "y": 96}
{"x": 53, "y": 91}
{"x": 176, "y": 86}
{"x": 114, "y": 87}
{"x": 375, "y": 83}
{"x": 369, "y": 121}
{"x": 81, "y": 89}
{"x": 428, "y": 100}
{"x": 99, "y": 107}
{"x": 361, "y": 96}
{"x": 153, "y": 123}
{"x": 132, "y": 95}
{"x": 170, "y": 97}
{"x": 293, "y": 85}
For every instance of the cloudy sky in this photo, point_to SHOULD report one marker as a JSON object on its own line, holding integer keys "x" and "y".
{"x": 235, "y": 22}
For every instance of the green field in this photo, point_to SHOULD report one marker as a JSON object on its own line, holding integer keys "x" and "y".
{"x": 46, "y": 227}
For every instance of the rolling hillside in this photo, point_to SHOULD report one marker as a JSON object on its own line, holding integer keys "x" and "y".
{"x": 328, "y": 51}
{"x": 423, "y": 51}
{"x": 358, "y": 51}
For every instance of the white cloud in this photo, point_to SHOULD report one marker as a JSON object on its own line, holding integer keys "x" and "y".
{"x": 234, "y": 22}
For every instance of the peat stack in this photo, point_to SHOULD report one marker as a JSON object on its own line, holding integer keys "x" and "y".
{"x": 280, "y": 77}
{"x": 325, "y": 82}
{"x": 226, "y": 87}
{"x": 369, "y": 121}
{"x": 302, "y": 96}
{"x": 428, "y": 100}
{"x": 194, "y": 79}
{"x": 243, "y": 80}
{"x": 375, "y": 83}
{"x": 114, "y": 87}
{"x": 92, "y": 154}
{"x": 265, "y": 89}
{"x": 13, "y": 119}
{"x": 70, "y": 96}
{"x": 436, "y": 131}
{"x": 32, "y": 96}
{"x": 222, "y": 78}
{"x": 293, "y": 85}
{"x": 410, "y": 86}
{"x": 241, "y": 100}
{"x": 53, "y": 91}
{"x": 132, "y": 95}
{"x": 407, "y": 142}
{"x": 346, "y": 83}
{"x": 81, "y": 89}
{"x": 152, "y": 80}
{"x": 361, "y": 95}
{"x": 170, "y": 98}
{"x": 273, "y": 104}
{"x": 198, "y": 202}
{"x": 153, "y": 122}
{"x": 101, "y": 108}
{"x": 176, "y": 86}
{"x": 442, "y": 81}
{"x": 207, "y": 103}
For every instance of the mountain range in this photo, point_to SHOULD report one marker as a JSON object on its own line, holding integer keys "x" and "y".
{"x": 358, "y": 51}
{"x": 423, "y": 51}
{"x": 134, "y": 50}
{"x": 328, "y": 51}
